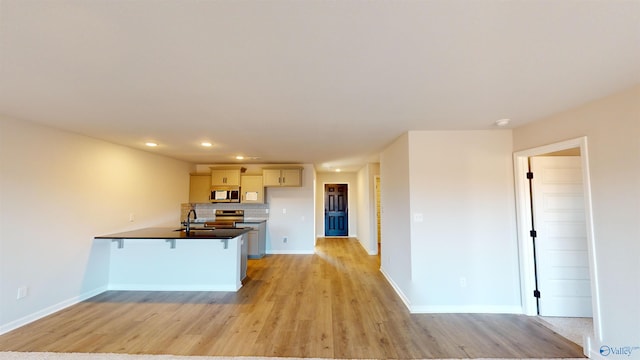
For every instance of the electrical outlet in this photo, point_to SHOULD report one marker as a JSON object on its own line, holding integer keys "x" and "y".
{"x": 284, "y": 239}
{"x": 463, "y": 282}
{"x": 132, "y": 217}
{"x": 23, "y": 291}
{"x": 284, "y": 210}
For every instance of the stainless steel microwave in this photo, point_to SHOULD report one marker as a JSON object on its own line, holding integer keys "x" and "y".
{"x": 222, "y": 194}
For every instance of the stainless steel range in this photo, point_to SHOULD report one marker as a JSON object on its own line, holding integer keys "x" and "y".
{"x": 226, "y": 219}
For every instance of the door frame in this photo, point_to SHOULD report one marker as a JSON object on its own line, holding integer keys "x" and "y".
{"x": 523, "y": 220}
{"x": 377, "y": 202}
{"x": 324, "y": 206}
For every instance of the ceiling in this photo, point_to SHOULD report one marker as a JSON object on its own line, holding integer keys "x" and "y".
{"x": 311, "y": 81}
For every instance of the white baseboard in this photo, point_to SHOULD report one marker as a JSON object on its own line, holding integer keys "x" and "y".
{"x": 369, "y": 251}
{"x": 396, "y": 288}
{"x": 343, "y": 236}
{"x": 290, "y": 252}
{"x": 588, "y": 349}
{"x": 157, "y": 287}
{"x": 466, "y": 309}
{"x": 454, "y": 309}
{"x": 591, "y": 353}
{"x": 50, "y": 310}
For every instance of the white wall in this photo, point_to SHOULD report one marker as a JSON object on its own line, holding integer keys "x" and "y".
{"x": 349, "y": 178}
{"x": 57, "y": 191}
{"x": 366, "y": 202}
{"x": 297, "y": 224}
{"x": 612, "y": 127}
{"x": 395, "y": 252}
{"x": 461, "y": 184}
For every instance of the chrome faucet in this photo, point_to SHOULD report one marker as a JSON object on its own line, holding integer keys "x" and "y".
{"x": 187, "y": 222}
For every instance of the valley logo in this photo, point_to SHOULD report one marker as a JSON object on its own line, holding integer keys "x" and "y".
{"x": 606, "y": 350}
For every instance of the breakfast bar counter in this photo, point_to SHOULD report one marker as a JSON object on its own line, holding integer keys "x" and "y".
{"x": 200, "y": 260}
{"x": 172, "y": 233}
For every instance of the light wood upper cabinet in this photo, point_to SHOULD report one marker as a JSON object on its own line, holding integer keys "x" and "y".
{"x": 271, "y": 177}
{"x": 291, "y": 177}
{"x": 199, "y": 188}
{"x": 252, "y": 189}
{"x": 282, "y": 176}
{"x": 225, "y": 177}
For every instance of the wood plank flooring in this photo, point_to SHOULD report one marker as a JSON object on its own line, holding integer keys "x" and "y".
{"x": 333, "y": 304}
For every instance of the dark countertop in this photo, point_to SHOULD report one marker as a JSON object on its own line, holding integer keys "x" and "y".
{"x": 171, "y": 233}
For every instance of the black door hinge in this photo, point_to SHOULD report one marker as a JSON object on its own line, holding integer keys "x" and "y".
{"x": 533, "y": 233}
{"x": 529, "y": 175}
{"x": 536, "y": 293}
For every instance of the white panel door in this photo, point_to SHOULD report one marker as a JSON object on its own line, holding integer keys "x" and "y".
{"x": 562, "y": 262}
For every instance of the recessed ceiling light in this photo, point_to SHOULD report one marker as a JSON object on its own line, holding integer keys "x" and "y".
{"x": 502, "y": 122}
{"x": 151, "y": 144}
{"x": 338, "y": 170}
{"x": 239, "y": 157}
{"x": 206, "y": 144}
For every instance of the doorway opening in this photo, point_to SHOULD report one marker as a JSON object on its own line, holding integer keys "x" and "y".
{"x": 336, "y": 210}
{"x": 527, "y": 250}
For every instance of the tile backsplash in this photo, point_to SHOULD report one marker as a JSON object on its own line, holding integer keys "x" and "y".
{"x": 207, "y": 211}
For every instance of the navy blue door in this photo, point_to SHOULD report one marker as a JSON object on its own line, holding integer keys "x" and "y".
{"x": 335, "y": 210}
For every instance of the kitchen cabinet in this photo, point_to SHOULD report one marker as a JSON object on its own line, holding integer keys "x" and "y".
{"x": 225, "y": 176}
{"x": 257, "y": 238}
{"x": 282, "y": 177}
{"x": 252, "y": 189}
{"x": 199, "y": 188}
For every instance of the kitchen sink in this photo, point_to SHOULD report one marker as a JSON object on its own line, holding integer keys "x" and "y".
{"x": 212, "y": 233}
{"x": 197, "y": 229}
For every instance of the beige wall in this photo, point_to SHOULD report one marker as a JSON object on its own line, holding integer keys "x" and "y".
{"x": 612, "y": 128}
{"x": 367, "y": 221}
{"x": 57, "y": 191}
{"x": 448, "y": 213}
{"x": 297, "y": 224}
{"x": 462, "y": 188}
{"x": 395, "y": 252}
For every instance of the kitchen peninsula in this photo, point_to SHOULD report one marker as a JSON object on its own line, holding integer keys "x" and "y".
{"x": 166, "y": 259}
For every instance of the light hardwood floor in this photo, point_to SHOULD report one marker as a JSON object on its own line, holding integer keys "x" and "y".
{"x": 334, "y": 304}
